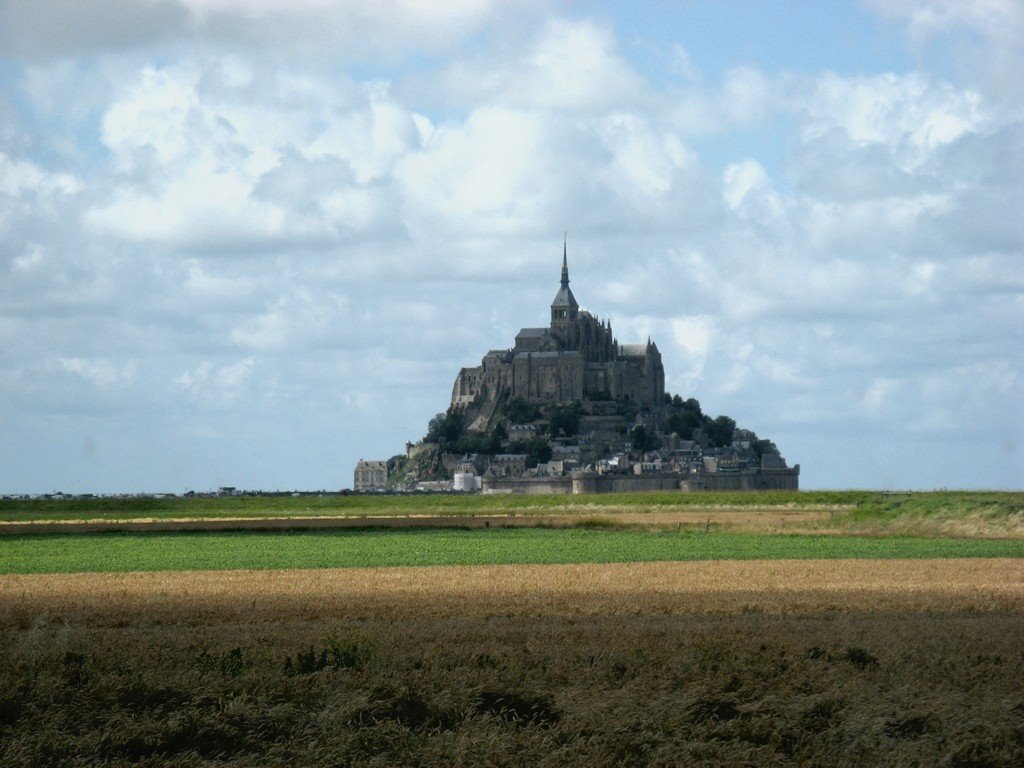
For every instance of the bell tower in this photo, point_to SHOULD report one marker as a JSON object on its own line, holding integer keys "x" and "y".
{"x": 564, "y": 308}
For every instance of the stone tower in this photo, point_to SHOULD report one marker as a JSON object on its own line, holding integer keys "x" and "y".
{"x": 564, "y": 308}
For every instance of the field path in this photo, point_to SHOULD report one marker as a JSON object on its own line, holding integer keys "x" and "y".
{"x": 774, "y": 586}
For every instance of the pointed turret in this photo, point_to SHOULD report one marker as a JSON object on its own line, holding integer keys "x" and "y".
{"x": 564, "y": 308}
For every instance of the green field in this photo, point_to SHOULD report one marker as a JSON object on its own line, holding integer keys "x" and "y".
{"x": 62, "y": 553}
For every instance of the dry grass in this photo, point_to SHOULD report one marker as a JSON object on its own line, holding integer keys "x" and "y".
{"x": 890, "y": 663}
{"x": 519, "y": 590}
{"x": 933, "y": 514}
{"x": 809, "y": 519}
{"x": 737, "y": 689}
{"x": 961, "y": 525}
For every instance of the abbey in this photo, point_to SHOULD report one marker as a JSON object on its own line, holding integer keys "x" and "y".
{"x": 575, "y": 358}
{"x": 568, "y": 409}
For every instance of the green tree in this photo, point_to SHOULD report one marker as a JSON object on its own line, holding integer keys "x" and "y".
{"x": 720, "y": 431}
{"x": 518, "y": 411}
{"x": 565, "y": 420}
{"x": 496, "y": 437}
{"x": 538, "y": 451}
{"x": 684, "y": 424}
{"x": 628, "y": 408}
{"x": 644, "y": 440}
{"x": 444, "y": 429}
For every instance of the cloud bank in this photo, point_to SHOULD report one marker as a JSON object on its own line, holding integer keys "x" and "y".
{"x": 248, "y": 243}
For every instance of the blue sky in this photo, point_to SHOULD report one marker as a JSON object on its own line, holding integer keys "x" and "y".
{"x": 248, "y": 243}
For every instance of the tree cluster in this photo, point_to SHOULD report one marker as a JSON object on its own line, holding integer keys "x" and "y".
{"x": 687, "y": 418}
{"x": 564, "y": 421}
{"x": 448, "y": 432}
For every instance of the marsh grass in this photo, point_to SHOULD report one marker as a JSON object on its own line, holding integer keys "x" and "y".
{"x": 939, "y": 513}
{"x": 409, "y": 504}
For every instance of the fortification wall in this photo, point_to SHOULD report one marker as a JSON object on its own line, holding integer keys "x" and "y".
{"x": 624, "y": 483}
{"x": 528, "y": 485}
{"x": 787, "y": 480}
{"x": 779, "y": 480}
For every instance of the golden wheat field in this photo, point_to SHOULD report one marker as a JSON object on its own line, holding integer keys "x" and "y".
{"x": 772, "y": 586}
{"x": 659, "y": 664}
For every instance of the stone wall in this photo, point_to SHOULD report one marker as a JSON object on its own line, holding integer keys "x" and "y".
{"x": 751, "y": 480}
{"x": 624, "y": 483}
{"x": 528, "y": 485}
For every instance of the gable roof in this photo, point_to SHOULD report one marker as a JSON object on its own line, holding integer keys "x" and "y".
{"x": 531, "y": 333}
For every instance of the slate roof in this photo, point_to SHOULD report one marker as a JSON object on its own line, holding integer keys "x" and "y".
{"x": 531, "y": 333}
{"x": 564, "y": 297}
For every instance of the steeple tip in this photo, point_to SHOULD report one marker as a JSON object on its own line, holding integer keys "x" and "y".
{"x": 565, "y": 260}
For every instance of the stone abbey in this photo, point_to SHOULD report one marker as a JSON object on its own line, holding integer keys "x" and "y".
{"x": 575, "y": 358}
{"x": 568, "y": 409}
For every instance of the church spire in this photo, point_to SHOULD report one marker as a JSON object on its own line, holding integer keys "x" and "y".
{"x": 564, "y": 308}
{"x": 565, "y": 262}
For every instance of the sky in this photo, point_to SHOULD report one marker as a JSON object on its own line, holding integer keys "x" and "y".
{"x": 248, "y": 242}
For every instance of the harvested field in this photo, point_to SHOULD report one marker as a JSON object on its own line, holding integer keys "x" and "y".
{"x": 710, "y": 664}
{"x": 626, "y": 589}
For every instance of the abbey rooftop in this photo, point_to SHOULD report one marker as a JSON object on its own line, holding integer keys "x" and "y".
{"x": 568, "y": 409}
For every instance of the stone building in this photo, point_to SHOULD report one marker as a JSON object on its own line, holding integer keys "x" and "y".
{"x": 574, "y": 358}
{"x": 370, "y": 475}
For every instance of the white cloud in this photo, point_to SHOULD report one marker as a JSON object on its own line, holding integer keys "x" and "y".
{"x": 908, "y": 115}
{"x": 988, "y": 35}
{"x": 251, "y": 221}
{"x": 18, "y": 177}
{"x": 104, "y": 374}
{"x": 155, "y": 114}
{"x": 486, "y": 174}
{"x": 645, "y": 163}
{"x": 695, "y": 335}
{"x": 209, "y": 167}
{"x": 218, "y": 382}
{"x": 745, "y": 95}
{"x": 371, "y": 140}
{"x": 570, "y": 65}
{"x": 749, "y": 192}
{"x": 30, "y": 261}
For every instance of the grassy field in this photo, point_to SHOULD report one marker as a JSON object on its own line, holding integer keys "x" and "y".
{"x": 887, "y": 632}
{"x": 940, "y": 513}
{"x": 56, "y": 553}
{"x": 866, "y": 503}
{"x": 414, "y": 504}
{"x": 518, "y": 666}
